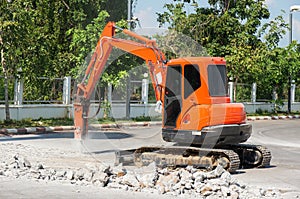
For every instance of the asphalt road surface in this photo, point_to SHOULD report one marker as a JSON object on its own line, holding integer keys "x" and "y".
{"x": 281, "y": 137}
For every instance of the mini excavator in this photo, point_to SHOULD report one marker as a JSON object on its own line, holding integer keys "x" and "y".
{"x": 191, "y": 94}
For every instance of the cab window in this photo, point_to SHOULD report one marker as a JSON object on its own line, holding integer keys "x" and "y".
{"x": 217, "y": 80}
{"x": 191, "y": 79}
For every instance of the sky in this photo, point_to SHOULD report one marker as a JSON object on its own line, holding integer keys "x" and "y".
{"x": 146, "y": 11}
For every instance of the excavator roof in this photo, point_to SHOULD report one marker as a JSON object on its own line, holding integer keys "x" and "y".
{"x": 194, "y": 60}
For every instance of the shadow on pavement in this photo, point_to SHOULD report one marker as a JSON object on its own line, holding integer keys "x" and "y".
{"x": 108, "y": 135}
{"x": 101, "y": 152}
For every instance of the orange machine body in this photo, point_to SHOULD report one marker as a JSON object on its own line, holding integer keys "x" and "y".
{"x": 198, "y": 103}
{"x": 199, "y": 108}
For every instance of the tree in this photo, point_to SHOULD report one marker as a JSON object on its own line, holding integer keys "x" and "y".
{"x": 4, "y": 69}
{"x": 278, "y": 63}
{"x": 37, "y": 37}
{"x": 13, "y": 28}
{"x": 216, "y": 26}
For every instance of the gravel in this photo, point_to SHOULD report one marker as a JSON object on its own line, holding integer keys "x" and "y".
{"x": 23, "y": 161}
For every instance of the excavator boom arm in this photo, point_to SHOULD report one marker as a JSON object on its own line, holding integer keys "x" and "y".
{"x": 146, "y": 49}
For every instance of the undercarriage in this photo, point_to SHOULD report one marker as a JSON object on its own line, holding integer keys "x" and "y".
{"x": 231, "y": 157}
{"x": 216, "y": 145}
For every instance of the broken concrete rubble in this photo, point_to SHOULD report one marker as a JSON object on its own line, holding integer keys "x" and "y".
{"x": 217, "y": 183}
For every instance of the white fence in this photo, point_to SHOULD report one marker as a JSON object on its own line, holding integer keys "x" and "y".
{"x": 19, "y": 110}
{"x": 118, "y": 111}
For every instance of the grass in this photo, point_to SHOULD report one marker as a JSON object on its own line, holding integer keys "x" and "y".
{"x": 65, "y": 122}
{"x": 36, "y": 123}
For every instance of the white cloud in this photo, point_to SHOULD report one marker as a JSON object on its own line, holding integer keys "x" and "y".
{"x": 147, "y": 17}
{"x": 270, "y": 2}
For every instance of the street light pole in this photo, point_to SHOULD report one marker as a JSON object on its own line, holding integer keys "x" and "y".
{"x": 292, "y": 9}
{"x": 289, "y": 81}
{"x": 129, "y": 13}
{"x": 128, "y": 90}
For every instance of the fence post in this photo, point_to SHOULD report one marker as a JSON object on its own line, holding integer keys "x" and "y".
{"x": 67, "y": 90}
{"x": 145, "y": 90}
{"x": 109, "y": 93}
{"x": 128, "y": 94}
{"x": 18, "y": 94}
{"x": 109, "y": 98}
{"x": 230, "y": 86}
{"x": 293, "y": 90}
{"x": 253, "y": 93}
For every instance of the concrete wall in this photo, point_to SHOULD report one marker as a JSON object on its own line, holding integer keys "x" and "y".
{"x": 36, "y": 111}
{"x": 19, "y": 112}
{"x": 119, "y": 110}
{"x": 253, "y": 107}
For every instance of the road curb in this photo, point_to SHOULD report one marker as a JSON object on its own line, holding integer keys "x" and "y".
{"x": 35, "y": 129}
{"x": 29, "y": 130}
{"x": 283, "y": 117}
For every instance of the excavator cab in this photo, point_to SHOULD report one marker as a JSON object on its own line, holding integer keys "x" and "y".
{"x": 197, "y": 108}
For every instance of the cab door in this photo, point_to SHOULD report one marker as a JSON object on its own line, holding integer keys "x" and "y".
{"x": 190, "y": 108}
{"x": 172, "y": 96}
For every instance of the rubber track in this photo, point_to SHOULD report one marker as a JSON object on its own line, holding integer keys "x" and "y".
{"x": 229, "y": 154}
{"x": 234, "y": 160}
{"x": 266, "y": 153}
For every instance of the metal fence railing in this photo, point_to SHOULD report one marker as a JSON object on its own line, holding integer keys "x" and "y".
{"x": 297, "y": 94}
{"x": 46, "y": 90}
{"x": 259, "y": 93}
{"x": 11, "y": 86}
{"x": 243, "y": 92}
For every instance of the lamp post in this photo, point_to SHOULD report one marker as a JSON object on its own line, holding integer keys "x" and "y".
{"x": 293, "y": 8}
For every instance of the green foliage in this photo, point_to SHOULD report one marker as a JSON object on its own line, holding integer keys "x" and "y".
{"x": 273, "y": 31}
{"x": 216, "y": 26}
{"x": 84, "y": 40}
{"x": 146, "y": 118}
{"x": 243, "y": 93}
{"x": 28, "y": 122}
{"x": 297, "y": 94}
{"x": 277, "y": 105}
{"x": 10, "y": 89}
{"x": 48, "y": 38}
{"x": 106, "y": 120}
{"x": 142, "y": 118}
{"x": 175, "y": 44}
{"x": 106, "y": 107}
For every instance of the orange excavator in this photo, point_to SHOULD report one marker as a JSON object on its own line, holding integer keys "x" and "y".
{"x": 191, "y": 94}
